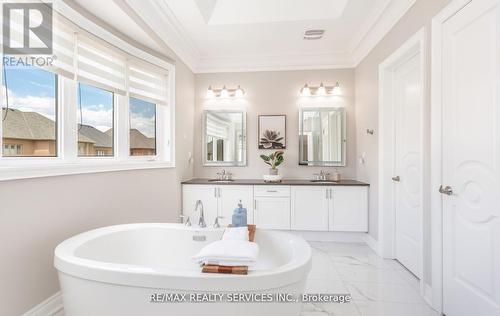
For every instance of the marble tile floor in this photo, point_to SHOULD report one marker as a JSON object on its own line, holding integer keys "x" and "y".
{"x": 379, "y": 287}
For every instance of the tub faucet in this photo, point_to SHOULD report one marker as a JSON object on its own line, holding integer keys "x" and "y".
{"x": 201, "y": 221}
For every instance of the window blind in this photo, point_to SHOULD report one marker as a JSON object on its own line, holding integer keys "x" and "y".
{"x": 216, "y": 128}
{"x": 63, "y": 47}
{"x": 100, "y": 65}
{"x": 63, "y": 42}
{"x": 147, "y": 82}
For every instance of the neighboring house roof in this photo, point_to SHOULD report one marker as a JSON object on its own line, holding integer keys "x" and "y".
{"x": 84, "y": 139}
{"x": 34, "y": 126}
{"x": 139, "y": 140}
{"x": 100, "y": 139}
{"x": 27, "y": 125}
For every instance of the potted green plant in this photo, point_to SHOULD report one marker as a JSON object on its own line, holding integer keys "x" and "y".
{"x": 274, "y": 160}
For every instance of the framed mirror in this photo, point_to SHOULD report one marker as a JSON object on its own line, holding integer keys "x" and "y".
{"x": 224, "y": 138}
{"x": 322, "y": 137}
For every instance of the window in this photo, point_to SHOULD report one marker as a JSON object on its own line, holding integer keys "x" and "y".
{"x": 98, "y": 107}
{"x": 142, "y": 127}
{"x": 12, "y": 150}
{"x": 29, "y": 113}
{"x": 95, "y": 121}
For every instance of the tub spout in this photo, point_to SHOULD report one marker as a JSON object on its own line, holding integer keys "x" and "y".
{"x": 201, "y": 221}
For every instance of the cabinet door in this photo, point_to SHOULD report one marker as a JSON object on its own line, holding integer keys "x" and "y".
{"x": 208, "y": 196}
{"x": 272, "y": 212}
{"x": 349, "y": 209}
{"x": 309, "y": 208}
{"x": 229, "y": 195}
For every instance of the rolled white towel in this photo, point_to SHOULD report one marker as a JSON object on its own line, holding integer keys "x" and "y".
{"x": 236, "y": 233}
{"x": 229, "y": 253}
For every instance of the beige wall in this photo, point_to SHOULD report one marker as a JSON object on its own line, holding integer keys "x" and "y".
{"x": 275, "y": 93}
{"x": 366, "y": 95}
{"x": 37, "y": 214}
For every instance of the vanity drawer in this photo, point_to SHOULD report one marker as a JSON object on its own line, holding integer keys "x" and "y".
{"x": 271, "y": 190}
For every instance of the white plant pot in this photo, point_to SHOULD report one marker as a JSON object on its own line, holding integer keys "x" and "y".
{"x": 272, "y": 178}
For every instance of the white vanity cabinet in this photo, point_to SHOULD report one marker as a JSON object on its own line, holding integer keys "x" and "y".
{"x": 301, "y": 207}
{"x": 208, "y": 196}
{"x": 349, "y": 209}
{"x": 218, "y": 200}
{"x": 309, "y": 208}
{"x": 228, "y": 197}
{"x": 272, "y": 206}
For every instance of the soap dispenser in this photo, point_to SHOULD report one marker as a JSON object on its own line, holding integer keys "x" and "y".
{"x": 239, "y": 216}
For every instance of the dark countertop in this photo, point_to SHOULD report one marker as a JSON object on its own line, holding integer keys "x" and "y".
{"x": 283, "y": 182}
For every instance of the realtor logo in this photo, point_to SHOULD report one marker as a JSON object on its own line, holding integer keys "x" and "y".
{"x": 27, "y": 28}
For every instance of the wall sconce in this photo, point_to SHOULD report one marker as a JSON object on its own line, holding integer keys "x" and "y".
{"x": 322, "y": 90}
{"x": 225, "y": 93}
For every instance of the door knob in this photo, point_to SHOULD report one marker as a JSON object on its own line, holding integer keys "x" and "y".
{"x": 446, "y": 190}
{"x": 396, "y": 178}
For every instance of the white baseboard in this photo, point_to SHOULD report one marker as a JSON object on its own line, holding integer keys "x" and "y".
{"x": 331, "y": 236}
{"x": 53, "y": 306}
{"x": 373, "y": 244}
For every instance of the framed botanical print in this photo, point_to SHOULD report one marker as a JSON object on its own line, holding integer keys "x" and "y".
{"x": 272, "y": 131}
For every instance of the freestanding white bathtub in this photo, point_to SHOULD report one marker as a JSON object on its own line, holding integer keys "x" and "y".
{"x": 132, "y": 270}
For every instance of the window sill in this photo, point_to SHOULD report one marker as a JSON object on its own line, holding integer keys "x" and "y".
{"x": 49, "y": 170}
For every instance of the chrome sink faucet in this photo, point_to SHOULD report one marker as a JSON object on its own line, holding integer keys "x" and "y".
{"x": 322, "y": 175}
{"x": 201, "y": 221}
{"x": 224, "y": 175}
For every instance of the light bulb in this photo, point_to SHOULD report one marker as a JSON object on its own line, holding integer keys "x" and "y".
{"x": 239, "y": 92}
{"x": 224, "y": 93}
{"x": 210, "y": 92}
{"x": 336, "y": 89}
{"x": 305, "y": 91}
{"x": 321, "y": 90}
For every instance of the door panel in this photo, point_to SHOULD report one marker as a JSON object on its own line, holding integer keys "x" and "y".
{"x": 348, "y": 209}
{"x": 471, "y": 160}
{"x": 408, "y": 164}
{"x": 208, "y": 196}
{"x": 272, "y": 212}
{"x": 229, "y": 195}
{"x": 309, "y": 208}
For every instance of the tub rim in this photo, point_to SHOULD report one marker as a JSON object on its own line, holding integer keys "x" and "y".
{"x": 65, "y": 261}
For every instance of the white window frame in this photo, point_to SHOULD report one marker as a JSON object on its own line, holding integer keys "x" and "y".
{"x": 67, "y": 160}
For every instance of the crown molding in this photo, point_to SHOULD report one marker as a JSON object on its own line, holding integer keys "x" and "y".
{"x": 391, "y": 15}
{"x": 172, "y": 33}
{"x": 377, "y": 25}
{"x": 326, "y": 60}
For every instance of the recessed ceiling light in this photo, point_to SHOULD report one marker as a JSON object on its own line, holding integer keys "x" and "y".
{"x": 313, "y": 34}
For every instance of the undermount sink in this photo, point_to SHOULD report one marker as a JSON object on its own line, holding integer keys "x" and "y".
{"x": 322, "y": 181}
{"x": 220, "y": 180}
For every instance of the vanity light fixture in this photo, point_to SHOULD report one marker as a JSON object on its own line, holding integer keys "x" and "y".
{"x": 305, "y": 91}
{"x": 239, "y": 92}
{"x": 210, "y": 92}
{"x": 336, "y": 89}
{"x": 322, "y": 90}
{"x": 225, "y": 92}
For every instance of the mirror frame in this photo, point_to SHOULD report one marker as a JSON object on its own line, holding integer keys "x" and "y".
{"x": 341, "y": 163}
{"x": 207, "y": 163}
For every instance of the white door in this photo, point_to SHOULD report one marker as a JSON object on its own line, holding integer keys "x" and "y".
{"x": 272, "y": 212}
{"x": 229, "y": 196}
{"x": 309, "y": 208}
{"x": 408, "y": 164}
{"x": 207, "y": 194}
{"x": 471, "y": 160}
{"x": 348, "y": 208}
